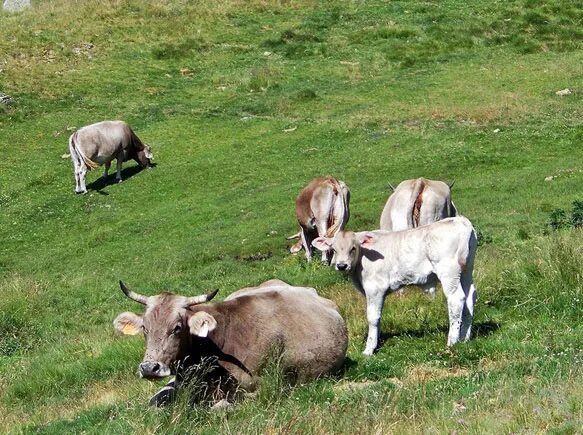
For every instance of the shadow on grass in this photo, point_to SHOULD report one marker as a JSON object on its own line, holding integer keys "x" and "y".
{"x": 126, "y": 174}
{"x": 479, "y": 329}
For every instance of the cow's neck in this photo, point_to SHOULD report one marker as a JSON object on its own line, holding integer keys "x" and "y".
{"x": 356, "y": 274}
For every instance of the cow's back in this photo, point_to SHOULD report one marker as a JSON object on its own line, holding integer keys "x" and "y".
{"x": 102, "y": 141}
{"x": 306, "y": 328}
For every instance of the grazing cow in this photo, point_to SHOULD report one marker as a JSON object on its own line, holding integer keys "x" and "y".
{"x": 417, "y": 202}
{"x": 322, "y": 209}
{"x": 380, "y": 262}
{"x": 98, "y": 144}
{"x": 239, "y": 334}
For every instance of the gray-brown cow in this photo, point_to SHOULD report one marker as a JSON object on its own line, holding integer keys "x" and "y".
{"x": 417, "y": 202}
{"x": 239, "y": 334}
{"x": 98, "y": 144}
{"x": 322, "y": 209}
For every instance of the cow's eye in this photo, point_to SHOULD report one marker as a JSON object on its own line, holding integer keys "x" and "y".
{"x": 352, "y": 250}
{"x": 177, "y": 329}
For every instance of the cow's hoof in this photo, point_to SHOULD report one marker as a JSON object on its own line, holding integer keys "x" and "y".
{"x": 81, "y": 192}
{"x": 163, "y": 397}
{"x": 368, "y": 352}
{"x": 118, "y": 180}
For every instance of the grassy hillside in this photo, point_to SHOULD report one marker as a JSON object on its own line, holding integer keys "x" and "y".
{"x": 243, "y": 103}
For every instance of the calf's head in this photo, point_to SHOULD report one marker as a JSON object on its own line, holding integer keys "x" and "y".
{"x": 166, "y": 325}
{"x": 345, "y": 248}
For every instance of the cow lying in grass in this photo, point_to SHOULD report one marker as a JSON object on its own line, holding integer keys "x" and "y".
{"x": 381, "y": 262}
{"x": 237, "y": 336}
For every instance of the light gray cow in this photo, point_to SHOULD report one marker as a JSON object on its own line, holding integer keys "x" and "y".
{"x": 322, "y": 209}
{"x": 380, "y": 262}
{"x": 417, "y": 202}
{"x": 98, "y": 144}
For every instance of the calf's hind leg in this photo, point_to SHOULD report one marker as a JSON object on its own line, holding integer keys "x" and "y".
{"x": 469, "y": 288}
{"x": 456, "y": 300}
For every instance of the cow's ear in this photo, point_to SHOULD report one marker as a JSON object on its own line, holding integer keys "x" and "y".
{"x": 201, "y": 323}
{"x": 322, "y": 243}
{"x": 128, "y": 323}
{"x": 365, "y": 239}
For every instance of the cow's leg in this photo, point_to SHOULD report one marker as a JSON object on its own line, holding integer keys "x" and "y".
{"x": 119, "y": 163}
{"x": 322, "y": 227}
{"x": 307, "y": 237}
{"x": 375, "y": 299}
{"x": 81, "y": 173}
{"x": 76, "y": 172}
{"x": 456, "y": 301}
{"x": 469, "y": 289}
{"x": 106, "y": 169}
{"x": 166, "y": 395}
{"x": 79, "y": 170}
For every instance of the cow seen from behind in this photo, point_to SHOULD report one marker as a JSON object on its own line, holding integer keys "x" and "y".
{"x": 417, "y": 202}
{"x": 322, "y": 209}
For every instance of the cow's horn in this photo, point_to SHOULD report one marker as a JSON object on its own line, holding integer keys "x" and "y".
{"x": 133, "y": 295}
{"x": 392, "y": 187}
{"x": 295, "y": 236}
{"x": 201, "y": 299}
{"x": 451, "y": 184}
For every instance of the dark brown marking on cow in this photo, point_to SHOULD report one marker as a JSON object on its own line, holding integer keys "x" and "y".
{"x": 418, "y": 203}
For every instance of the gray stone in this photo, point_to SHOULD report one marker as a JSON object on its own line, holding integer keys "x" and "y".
{"x": 5, "y": 99}
{"x": 15, "y": 5}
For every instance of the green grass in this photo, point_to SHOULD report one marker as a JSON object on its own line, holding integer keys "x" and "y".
{"x": 272, "y": 94}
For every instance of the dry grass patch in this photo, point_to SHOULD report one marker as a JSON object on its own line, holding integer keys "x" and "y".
{"x": 425, "y": 373}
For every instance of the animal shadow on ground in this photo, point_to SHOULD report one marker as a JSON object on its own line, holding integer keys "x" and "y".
{"x": 479, "y": 329}
{"x": 349, "y": 363}
{"x": 126, "y": 174}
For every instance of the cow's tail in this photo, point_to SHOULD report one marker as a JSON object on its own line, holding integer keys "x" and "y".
{"x": 415, "y": 203}
{"x": 78, "y": 155}
{"x": 340, "y": 212}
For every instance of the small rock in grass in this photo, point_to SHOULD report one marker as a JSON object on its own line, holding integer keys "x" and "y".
{"x": 5, "y": 99}
{"x": 564, "y": 92}
{"x": 16, "y": 5}
{"x": 222, "y": 405}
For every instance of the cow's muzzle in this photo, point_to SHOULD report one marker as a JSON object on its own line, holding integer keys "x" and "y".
{"x": 342, "y": 267}
{"x": 153, "y": 369}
